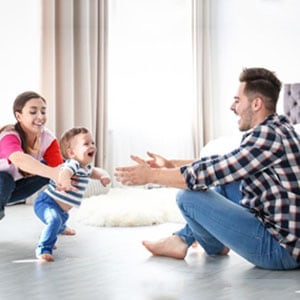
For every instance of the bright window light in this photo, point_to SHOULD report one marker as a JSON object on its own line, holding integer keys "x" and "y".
{"x": 19, "y": 52}
{"x": 150, "y": 77}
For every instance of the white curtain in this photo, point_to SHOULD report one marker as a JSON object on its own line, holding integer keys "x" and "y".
{"x": 203, "y": 121}
{"x": 135, "y": 72}
{"x": 74, "y": 41}
{"x": 150, "y": 79}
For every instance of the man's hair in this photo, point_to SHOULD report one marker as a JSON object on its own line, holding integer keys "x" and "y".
{"x": 67, "y": 136}
{"x": 263, "y": 83}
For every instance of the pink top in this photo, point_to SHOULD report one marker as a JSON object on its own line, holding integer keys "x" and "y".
{"x": 10, "y": 142}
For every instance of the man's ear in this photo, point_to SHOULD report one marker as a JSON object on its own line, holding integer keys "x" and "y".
{"x": 257, "y": 103}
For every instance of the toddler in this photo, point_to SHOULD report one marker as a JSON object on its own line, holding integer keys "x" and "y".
{"x": 52, "y": 205}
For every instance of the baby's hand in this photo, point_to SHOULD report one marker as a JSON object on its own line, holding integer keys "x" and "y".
{"x": 105, "y": 180}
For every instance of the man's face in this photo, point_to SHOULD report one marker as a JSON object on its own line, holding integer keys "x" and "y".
{"x": 242, "y": 107}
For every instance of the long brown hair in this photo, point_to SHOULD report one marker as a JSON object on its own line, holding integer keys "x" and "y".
{"x": 18, "y": 105}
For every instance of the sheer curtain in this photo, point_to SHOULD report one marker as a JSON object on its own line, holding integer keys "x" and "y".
{"x": 150, "y": 86}
{"x": 135, "y": 72}
{"x": 203, "y": 121}
{"x": 159, "y": 75}
{"x": 74, "y": 35}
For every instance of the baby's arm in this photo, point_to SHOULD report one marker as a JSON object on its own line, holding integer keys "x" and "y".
{"x": 101, "y": 175}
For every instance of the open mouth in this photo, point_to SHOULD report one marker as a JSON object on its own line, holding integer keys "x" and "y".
{"x": 38, "y": 124}
{"x": 91, "y": 154}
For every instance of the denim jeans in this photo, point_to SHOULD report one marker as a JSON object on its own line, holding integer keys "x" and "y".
{"x": 216, "y": 221}
{"x": 51, "y": 214}
{"x": 13, "y": 191}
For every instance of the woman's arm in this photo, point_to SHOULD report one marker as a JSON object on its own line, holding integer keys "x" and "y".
{"x": 27, "y": 163}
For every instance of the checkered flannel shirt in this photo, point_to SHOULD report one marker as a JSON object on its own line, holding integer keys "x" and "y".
{"x": 268, "y": 165}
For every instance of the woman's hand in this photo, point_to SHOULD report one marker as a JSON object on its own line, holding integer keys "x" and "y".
{"x": 64, "y": 181}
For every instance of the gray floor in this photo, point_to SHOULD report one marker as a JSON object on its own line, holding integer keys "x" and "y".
{"x": 110, "y": 263}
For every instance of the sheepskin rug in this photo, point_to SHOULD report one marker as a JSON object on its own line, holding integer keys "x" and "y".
{"x": 126, "y": 207}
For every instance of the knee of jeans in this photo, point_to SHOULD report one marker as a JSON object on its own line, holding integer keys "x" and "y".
{"x": 180, "y": 197}
{"x": 54, "y": 220}
{"x": 56, "y": 224}
{"x": 7, "y": 185}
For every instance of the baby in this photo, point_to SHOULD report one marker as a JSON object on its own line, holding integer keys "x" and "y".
{"x": 52, "y": 205}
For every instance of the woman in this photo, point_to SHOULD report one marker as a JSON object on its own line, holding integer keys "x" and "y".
{"x": 28, "y": 151}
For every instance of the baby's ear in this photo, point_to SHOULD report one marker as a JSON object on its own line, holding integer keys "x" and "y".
{"x": 70, "y": 152}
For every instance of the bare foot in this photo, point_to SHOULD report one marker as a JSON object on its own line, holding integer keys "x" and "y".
{"x": 224, "y": 251}
{"x": 195, "y": 245}
{"x": 172, "y": 246}
{"x": 69, "y": 231}
{"x": 46, "y": 257}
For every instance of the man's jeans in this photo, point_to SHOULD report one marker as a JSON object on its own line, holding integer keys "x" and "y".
{"x": 216, "y": 221}
{"x": 13, "y": 191}
{"x": 51, "y": 214}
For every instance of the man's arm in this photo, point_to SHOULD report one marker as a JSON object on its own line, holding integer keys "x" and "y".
{"x": 142, "y": 174}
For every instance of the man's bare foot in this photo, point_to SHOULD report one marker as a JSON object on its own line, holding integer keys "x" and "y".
{"x": 69, "y": 231}
{"x": 46, "y": 257}
{"x": 172, "y": 246}
{"x": 195, "y": 244}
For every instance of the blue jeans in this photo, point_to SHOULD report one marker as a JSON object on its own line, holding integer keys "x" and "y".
{"x": 215, "y": 221}
{"x": 13, "y": 191}
{"x": 51, "y": 214}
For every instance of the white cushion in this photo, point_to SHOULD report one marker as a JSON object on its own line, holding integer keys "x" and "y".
{"x": 221, "y": 145}
{"x": 297, "y": 127}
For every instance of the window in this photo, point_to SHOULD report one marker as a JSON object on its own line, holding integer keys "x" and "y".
{"x": 150, "y": 78}
{"x": 19, "y": 52}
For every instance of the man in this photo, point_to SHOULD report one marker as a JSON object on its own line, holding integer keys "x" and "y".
{"x": 254, "y": 208}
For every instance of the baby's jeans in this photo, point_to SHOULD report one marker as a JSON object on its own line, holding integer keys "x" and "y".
{"x": 51, "y": 214}
{"x": 216, "y": 221}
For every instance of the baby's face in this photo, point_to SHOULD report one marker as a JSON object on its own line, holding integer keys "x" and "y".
{"x": 83, "y": 148}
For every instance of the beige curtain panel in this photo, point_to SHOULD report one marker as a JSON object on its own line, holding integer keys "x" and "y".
{"x": 73, "y": 60}
{"x": 203, "y": 127}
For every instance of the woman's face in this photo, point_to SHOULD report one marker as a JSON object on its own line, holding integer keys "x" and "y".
{"x": 33, "y": 116}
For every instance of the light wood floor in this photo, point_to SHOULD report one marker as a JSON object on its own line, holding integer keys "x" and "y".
{"x": 111, "y": 264}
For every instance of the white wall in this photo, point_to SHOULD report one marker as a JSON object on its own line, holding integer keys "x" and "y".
{"x": 252, "y": 33}
{"x": 19, "y": 52}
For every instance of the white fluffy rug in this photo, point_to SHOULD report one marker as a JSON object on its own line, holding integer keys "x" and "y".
{"x": 130, "y": 207}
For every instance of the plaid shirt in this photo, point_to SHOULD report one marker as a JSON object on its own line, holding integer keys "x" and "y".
{"x": 267, "y": 163}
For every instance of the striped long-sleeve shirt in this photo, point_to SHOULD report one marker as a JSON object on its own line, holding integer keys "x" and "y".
{"x": 80, "y": 180}
{"x": 268, "y": 165}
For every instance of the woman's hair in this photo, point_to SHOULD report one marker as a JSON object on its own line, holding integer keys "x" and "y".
{"x": 18, "y": 106}
{"x": 67, "y": 136}
{"x": 264, "y": 83}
